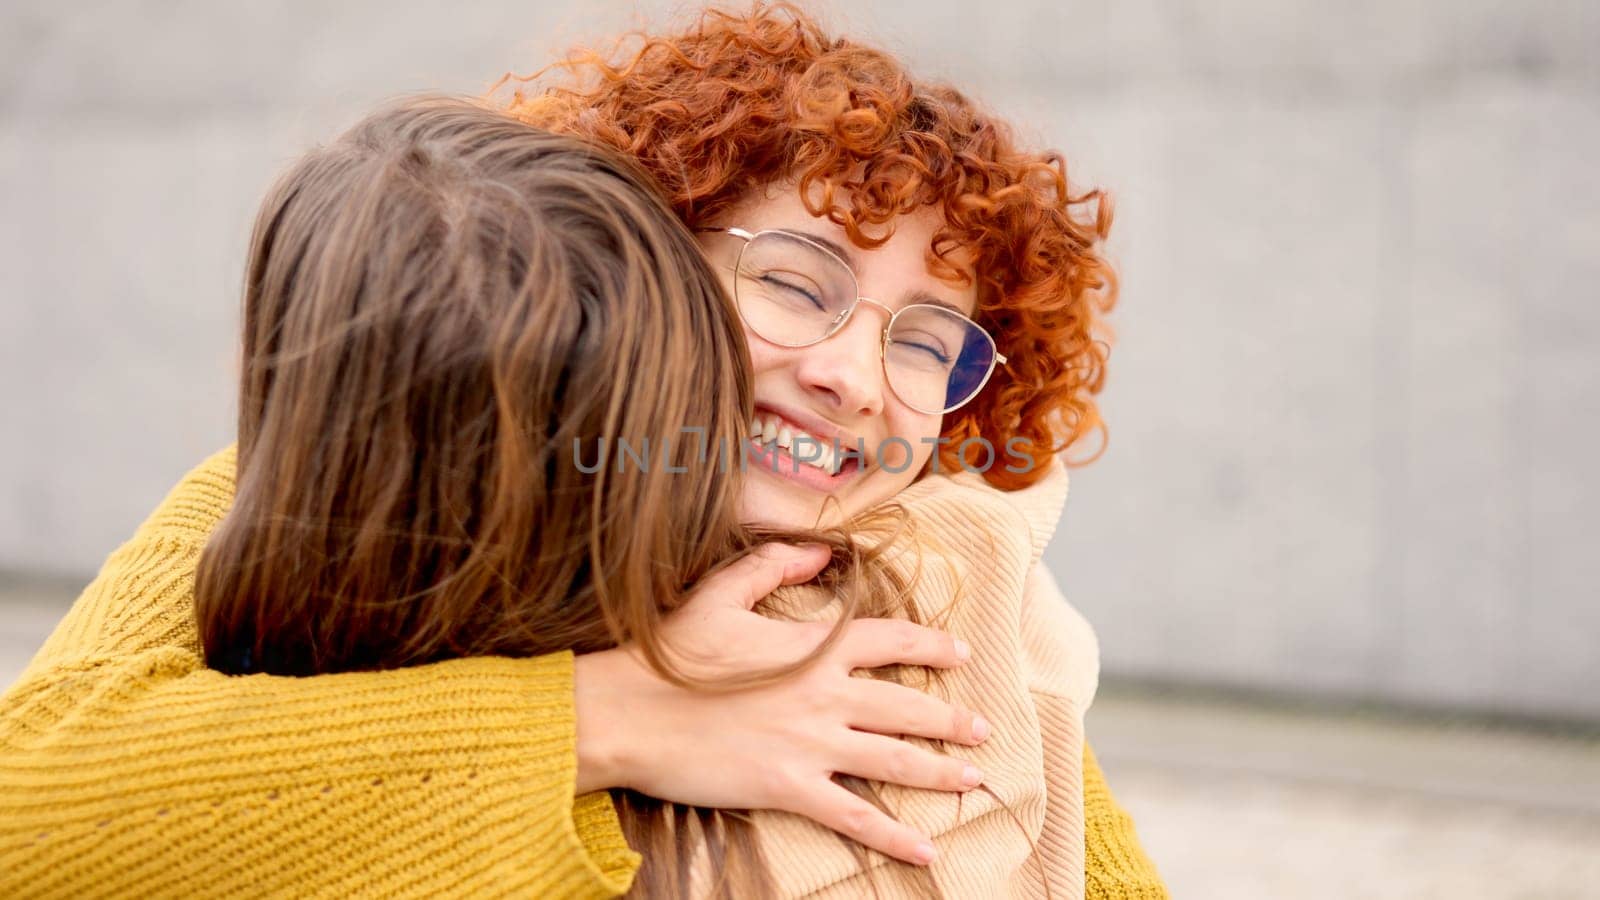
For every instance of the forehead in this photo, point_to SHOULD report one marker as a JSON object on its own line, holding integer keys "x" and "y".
{"x": 894, "y": 273}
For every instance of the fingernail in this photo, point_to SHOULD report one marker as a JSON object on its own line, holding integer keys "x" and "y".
{"x": 980, "y": 728}
{"x": 963, "y": 652}
{"x": 971, "y": 776}
{"x": 926, "y": 853}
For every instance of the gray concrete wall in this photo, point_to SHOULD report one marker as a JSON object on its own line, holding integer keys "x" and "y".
{"x": 1353, "y": 401}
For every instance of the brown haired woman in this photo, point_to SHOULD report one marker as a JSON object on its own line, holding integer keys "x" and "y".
{"x": 1035, "y": 283}
{"x": 435, "y": 306}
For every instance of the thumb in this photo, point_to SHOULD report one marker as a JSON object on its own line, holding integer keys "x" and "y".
{"x": 760, "y": 572}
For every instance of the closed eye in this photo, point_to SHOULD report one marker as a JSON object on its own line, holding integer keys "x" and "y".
{"x": 932, "y": 352}
{"x": 793, "y": 288}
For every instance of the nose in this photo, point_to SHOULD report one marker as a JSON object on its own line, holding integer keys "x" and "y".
{"x": 847, "y": 368}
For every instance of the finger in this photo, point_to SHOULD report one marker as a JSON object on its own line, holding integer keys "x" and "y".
{"x": 760, "y": 572}
{"x": 834, "y": 807}
{"x": 893, "y": 761}
{"x": 884, "y": 707}
{"x": 870, "y": 643}
{"x": 802, "y": 561}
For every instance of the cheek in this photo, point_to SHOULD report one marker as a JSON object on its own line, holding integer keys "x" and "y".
{"x": 763, "y": 355}
{"x": 918, "y": 431}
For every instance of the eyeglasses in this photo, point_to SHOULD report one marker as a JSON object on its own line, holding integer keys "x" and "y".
{"x": 794, "y": 292}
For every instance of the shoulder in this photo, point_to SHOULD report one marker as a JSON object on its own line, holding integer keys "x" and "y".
{"x": 966, "y": 502}
{"x": 194, "y": 506}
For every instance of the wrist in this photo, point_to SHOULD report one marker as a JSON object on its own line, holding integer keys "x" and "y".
{"x": 599, "y": 692}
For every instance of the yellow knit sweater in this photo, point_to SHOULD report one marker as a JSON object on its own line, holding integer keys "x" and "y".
{"x": 127, "y": 768}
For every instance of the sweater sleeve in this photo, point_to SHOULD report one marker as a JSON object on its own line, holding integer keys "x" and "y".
{"x": 128, "y": 768}
{"x": 1117, "y": 867}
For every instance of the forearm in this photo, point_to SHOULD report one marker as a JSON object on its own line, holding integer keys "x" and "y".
{"x": 125, "y": 753}
{"x": 146, "y": 773}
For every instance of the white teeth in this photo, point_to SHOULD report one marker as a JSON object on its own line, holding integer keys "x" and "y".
{"x": 824, "y": 460}
{"x": 772, "y": 431}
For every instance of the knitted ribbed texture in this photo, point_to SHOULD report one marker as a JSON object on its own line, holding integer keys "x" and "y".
{"x": 1118, "y": 868}
{"x": 1033, "y": 673}
{"x": 129, "y": 769}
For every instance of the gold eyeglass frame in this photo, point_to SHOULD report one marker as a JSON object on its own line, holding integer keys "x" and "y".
{"x": 843, "y": 318}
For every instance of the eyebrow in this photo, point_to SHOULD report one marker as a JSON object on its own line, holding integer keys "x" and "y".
{"x": 837, "y": 249}
{"x": 834, "y": 247}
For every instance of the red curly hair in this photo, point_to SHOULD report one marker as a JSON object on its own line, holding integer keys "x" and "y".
{"x": 740, "y": 101}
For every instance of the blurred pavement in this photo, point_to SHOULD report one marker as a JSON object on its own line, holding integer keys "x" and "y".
{"x": 1239, "y": 799}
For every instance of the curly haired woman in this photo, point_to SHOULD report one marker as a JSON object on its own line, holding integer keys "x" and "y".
{"x": 818, "y": 172}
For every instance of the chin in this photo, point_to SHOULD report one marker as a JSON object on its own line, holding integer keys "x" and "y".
{"x": 772, "y": 507}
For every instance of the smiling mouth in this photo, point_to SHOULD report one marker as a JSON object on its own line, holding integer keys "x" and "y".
{"x": 781, "y": 438}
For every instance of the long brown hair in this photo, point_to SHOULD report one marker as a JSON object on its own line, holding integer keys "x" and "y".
{"x": 449, "y": 317}
{"x": 444, "y": 309}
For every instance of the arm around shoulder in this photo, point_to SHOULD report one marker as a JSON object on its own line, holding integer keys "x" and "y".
{"x": 128, "y": 766}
